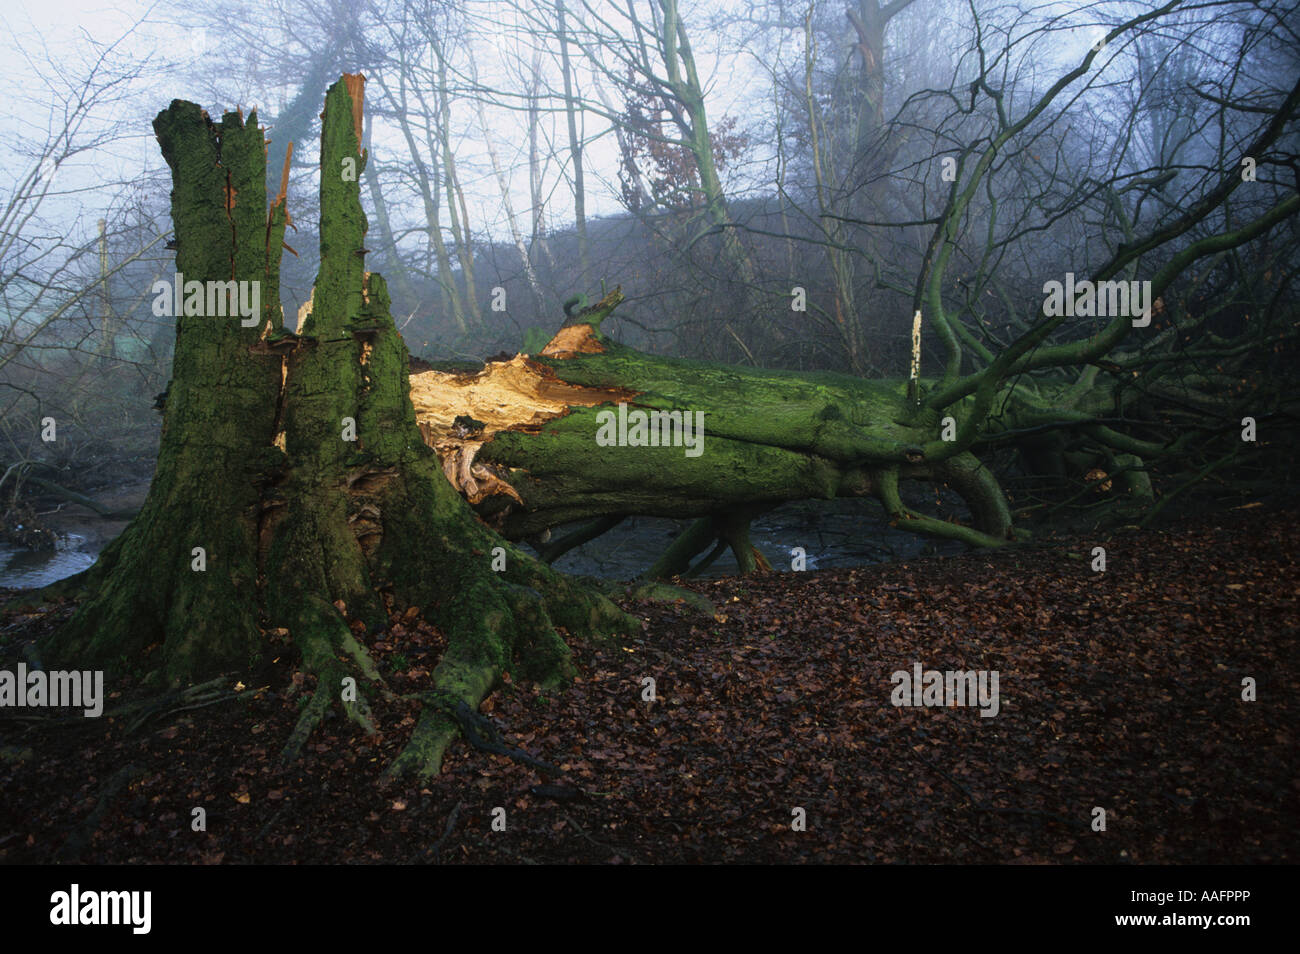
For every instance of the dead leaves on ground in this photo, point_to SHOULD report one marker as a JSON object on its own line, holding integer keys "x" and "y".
{"x": 1119, "y": 690}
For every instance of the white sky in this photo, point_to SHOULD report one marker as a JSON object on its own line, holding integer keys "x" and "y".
{"x": 33, "y": 30}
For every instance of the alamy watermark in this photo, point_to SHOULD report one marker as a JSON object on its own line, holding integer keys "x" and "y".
{"x": 952, "y": 687}
{"x": 37, "y": 689}
{"x": 638, "y": 428}
{"x": 211, "y": 299}
{"x": 74, "y": 907}
{"x": 1087, "y": 299}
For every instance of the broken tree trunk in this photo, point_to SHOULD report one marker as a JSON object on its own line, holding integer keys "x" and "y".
{"x": 590, "y": 430}
{"x": 293, "y": 491}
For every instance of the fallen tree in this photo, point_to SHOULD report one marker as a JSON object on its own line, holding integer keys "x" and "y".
{"x": 309, "y": 486}
{"x": 589, "y": 429}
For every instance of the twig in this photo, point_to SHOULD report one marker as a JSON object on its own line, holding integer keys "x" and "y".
{"x": 79, "y": 839}
{"x": 436, "y": 848}
{"x": 601, "y": 845}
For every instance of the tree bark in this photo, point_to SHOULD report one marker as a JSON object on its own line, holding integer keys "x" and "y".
{"x": 522, "y": 439}
{"x": 296, "y": 463}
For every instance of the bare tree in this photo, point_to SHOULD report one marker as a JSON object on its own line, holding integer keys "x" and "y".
{"x": 75, "y": 327}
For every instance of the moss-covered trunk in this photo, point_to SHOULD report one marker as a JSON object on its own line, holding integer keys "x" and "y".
{"x": 177, "y": 590}
{"x": 591, "y": 430}
{"x": 295, "y": 461}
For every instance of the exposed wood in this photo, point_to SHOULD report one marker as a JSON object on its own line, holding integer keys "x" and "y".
{"x": 355, "y": 84}
{"x": 518, "y": 394}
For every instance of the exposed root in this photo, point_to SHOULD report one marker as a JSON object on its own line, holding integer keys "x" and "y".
{"x": 495, "y": 625}
{"x": 323, "y": 637}
{"x": 307, "y": 722}
{"x": 909, "y": 519}
{"x": 194, "y": 697}
{"x": 470, "y": 668}
{"x": 664, "y": 593}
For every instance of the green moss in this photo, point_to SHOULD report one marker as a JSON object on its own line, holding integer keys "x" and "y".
{"x": 221, "y": 401}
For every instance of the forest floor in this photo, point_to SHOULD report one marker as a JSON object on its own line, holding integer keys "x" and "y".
{"x": 1120, "y": 691}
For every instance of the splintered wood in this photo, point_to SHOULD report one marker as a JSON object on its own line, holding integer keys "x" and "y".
{"x": 304, "y": 310}
{"x": 459, "y": 413}
{"x": 573, "y": 339}
{"x": 356, "y": 87}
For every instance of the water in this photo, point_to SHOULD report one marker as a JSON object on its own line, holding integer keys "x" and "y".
{"x": 82, "y": 535}
{"x": 832, "y": 533}
{"x": 26, "y": 569}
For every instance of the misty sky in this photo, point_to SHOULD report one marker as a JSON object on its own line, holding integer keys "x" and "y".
{"x": 47, "y": 46}
{"x": 184, "y": 62}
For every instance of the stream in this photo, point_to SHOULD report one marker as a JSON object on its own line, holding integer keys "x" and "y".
{"x": 832, "y": 533}
{"x": 82, "y": 535}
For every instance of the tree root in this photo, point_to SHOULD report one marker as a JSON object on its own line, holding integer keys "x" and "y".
{"x": 324, "y": 637}
{"x": 307, "y": 722}
{"x": 495, "y": 625}
{"x": 929, "y": 526}
{"x": 204, "y": 694}
{"x": 436, "y": 848}
{"x": 70, "y": 852}
{"x": 661, "y": 593}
